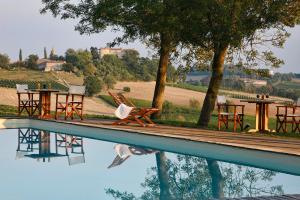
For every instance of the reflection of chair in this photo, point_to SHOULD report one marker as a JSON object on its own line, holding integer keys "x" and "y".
{"x": 226, "y": 114}
{"x": 140, "y": 116}
{"x": 288, "y": 114}
{"x": 72, "y": 102}
{"x": 72, "y": 143}
{"x": 26, "y": 101}
{"x": 124, "y": 152}
{"x": 28, "y": 141}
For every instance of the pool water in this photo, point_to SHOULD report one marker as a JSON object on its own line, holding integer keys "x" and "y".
{"x": 46, "y": 165}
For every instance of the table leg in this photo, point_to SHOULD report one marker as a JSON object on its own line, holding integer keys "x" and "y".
{"x": 45, "y": 104}
{"x": 267, "y": 117}
{"x": 257, "y": 117}
{"x": 263, "y": 117}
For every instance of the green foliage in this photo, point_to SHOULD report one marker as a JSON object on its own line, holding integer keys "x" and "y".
{"x": 93, "y": 85}
{"x": 45, "y": 53}
{"x": 68, "y": 67}
{"x": 189, "y": 178}
{"x": 95, "y": 53}
{"x": 126, "y": 89}
{"x": 188, "y": 86}
{"x": 194, "y": 103}
{"x": 16, "y": 65}
{"x": 4, "y": 61}
{"x": 6, "y": 110}
{"x": 31, "y": 61}
{"x": 20, "y": 55}
{"x": 31, "y": 84}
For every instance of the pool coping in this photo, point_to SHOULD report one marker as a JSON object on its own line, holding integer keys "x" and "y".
{"x": 212, "y": 149}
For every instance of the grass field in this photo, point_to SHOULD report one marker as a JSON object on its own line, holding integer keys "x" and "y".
{"x": 190, "y": 117}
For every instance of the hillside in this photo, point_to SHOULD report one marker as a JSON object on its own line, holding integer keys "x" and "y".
{"x": 34, "y": 75}
{"x": 179, "y": 96}
{"x": 139, "y": 90}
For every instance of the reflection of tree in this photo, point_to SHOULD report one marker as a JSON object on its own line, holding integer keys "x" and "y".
{"x": 190, "y": 178}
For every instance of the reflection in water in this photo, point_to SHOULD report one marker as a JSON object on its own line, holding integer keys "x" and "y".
{"x": 181, "y": 177}
{"x": 37, "y": 144}
{"x": 124, "y": 152}
{"x": 190, "y": 178}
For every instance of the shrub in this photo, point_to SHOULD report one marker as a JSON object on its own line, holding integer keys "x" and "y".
{"x": 126, "y": 89}
{"x": 194, "y": 103}
{"x": 68, "y": 67}
{"x": 31, "y": 84}
{"x": 4, "y": 61}
{"x": 93, "y": 85}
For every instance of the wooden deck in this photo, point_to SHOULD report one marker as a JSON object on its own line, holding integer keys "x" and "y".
{"x": 253, "y": 141}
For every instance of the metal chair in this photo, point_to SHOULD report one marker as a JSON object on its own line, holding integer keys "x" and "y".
{"x": 225, "y": 114}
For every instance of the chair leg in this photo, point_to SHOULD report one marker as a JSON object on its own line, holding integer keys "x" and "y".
{"x": 219, "y": 122}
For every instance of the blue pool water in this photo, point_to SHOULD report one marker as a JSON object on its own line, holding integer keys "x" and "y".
{"x": 46, "y": 165}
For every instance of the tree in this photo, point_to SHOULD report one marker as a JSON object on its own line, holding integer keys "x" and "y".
{"x": 4, "y": 61}
{"x": 68, "y": 67}
{"x": 20, "y": 55}
{"x": 190, "y": 178}
{"x": 153, "y": 22}
{"x": 52, "y": 55}
{"x": 93, "y": 85}
{"x": 31, "y": 61}
{"x": 233, "y": 30}
{"x": 95, "y": 53}
{"x": 45, "y": 53}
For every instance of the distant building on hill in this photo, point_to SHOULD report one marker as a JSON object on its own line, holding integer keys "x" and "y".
{"x": 112, "y": 51}
{"x": 50, "y": 65}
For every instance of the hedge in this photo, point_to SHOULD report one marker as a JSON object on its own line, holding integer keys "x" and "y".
{"x": 32, "y": 84}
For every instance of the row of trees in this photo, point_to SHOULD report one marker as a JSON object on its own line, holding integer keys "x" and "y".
{"x": 99, "y": 72}
{"x": 30, "y": 62}
{"x": 107, "y": 70}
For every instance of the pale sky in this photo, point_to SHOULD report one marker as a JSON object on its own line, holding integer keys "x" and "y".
{"x": 22, "y": 26}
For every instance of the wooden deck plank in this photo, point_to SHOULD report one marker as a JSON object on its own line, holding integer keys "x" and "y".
{"x": 242, "y": 140}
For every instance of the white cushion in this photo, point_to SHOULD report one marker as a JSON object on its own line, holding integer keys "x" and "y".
{"x": 221, "y": 99}
{"x": 22, "y": 87}
{"x": 76, "y": 89}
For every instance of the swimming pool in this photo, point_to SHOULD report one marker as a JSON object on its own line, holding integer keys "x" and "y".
{"x": 70, "y": 162}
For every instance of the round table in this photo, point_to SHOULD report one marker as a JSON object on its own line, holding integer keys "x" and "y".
{"x": 262, "y": 113}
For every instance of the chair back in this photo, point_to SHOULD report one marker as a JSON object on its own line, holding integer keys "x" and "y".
{"x": 298, "y": 102}
{"x": 76, "y": 89}
{"x": 21, "y": 88}
{"x": 120, "y": 98}
{"x": 221, "y": 100}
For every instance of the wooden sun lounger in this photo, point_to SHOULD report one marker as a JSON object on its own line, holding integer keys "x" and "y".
{"x": 139, "y": 116}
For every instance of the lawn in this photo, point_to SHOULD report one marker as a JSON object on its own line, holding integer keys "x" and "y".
{"x": 172, "y": 115}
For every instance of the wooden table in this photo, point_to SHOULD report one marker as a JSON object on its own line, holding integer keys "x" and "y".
{"x": 45, "y": 102}
{"x": 262, "y": 114}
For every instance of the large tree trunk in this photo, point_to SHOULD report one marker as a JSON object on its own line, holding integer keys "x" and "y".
{"x": 161, "y": 78}
{"x": 214, "y": 85}
{"x": 163, "y": 177}
{"x": 216, "y": 179}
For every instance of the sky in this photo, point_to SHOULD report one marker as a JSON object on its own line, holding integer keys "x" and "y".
{"x": 22, "y": 26}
